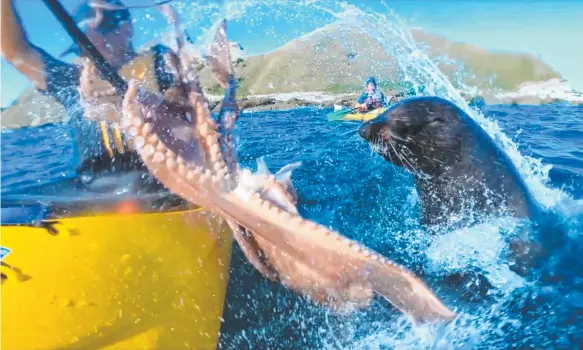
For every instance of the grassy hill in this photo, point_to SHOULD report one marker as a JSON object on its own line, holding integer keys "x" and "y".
{"x": 335, "y": 60}
{"x": 508, "y": 70}
{"x": 32, "y": 108}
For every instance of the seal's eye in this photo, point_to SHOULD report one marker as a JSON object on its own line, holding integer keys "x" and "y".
{"x": 436, "y": 120}
{"x": 415, "y": 129}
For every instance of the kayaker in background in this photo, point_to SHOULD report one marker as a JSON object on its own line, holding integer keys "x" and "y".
{"x": 109, "y": 28}
{"x": 371, "y": 98}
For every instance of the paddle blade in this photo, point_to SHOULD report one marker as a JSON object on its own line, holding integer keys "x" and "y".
{"x": 338, "y": 115}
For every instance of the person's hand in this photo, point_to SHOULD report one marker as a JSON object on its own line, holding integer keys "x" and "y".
{"x": 363, "y": 108}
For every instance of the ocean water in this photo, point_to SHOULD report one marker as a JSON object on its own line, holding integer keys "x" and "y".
{"x": 343, "y": 184}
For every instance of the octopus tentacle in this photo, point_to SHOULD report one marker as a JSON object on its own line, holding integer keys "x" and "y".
{"x": 185, "y": 155}
{"x": 252, "y": 252}
{"x": 300, "y": 275}
{"x": 340, "y": 265}
{"x": 346, "y": 263}
{"x": 219, "y": 60}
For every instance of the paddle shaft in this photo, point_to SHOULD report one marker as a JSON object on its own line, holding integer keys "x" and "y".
{"x": 104, "y": 68}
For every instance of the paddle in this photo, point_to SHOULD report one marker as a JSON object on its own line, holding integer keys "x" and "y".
{"x": 103, "y": 67}
{"x": 339, "y": 115}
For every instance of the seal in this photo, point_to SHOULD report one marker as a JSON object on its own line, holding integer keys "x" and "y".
{"x": 457, "y": 167}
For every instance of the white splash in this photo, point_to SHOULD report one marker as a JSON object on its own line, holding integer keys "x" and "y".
{"x": 551, "y": 89}
{"x": 479, "y": 248}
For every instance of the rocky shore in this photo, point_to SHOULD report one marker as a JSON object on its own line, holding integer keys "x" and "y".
{"x": 35, "y": 109}
{"x": 257, "y": 104}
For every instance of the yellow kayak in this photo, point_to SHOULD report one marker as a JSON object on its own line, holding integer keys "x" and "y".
{"x": 364, "y": 116}
{"x": 115, "y": 281}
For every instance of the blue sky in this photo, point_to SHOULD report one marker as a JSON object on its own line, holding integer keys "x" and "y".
{"x": 549, "y": 29}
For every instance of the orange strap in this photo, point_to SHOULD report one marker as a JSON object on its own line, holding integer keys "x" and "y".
{"x": 118, "y": 139}
{"x": 105, "y": 138}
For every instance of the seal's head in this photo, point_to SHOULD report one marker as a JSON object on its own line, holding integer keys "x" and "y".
{"x": 421, "y": 134}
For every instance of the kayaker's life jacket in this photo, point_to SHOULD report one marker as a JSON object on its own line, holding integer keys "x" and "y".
{"x": 112, "y": 154}
{"x": 374, "y": 100}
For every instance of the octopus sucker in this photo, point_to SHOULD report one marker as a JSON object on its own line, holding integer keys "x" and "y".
{"x": 148, "y": 150}
{"x": 171, "y": 163}
{"x": 204, "y": 177}
{"x": 296, "y": 220}
{"x": 191, "y": 176}
{"x": 216, "y": 179}
{"x": 158, "y": 157}
{"x": 153, "y": 139}
{"x": 181, "y": 169}
{"x": 259, "y": 207}
{"x": 203, "y": 129}
{"x": 314, "y": 225}
{"x": 147, "y": 128}
{"x": 215, "y": 149}
{"x": 161, "y": 147}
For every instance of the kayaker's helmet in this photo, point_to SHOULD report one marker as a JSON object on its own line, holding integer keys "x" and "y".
{"x": 371, "y": 80}
{"x": 106, "y": 14}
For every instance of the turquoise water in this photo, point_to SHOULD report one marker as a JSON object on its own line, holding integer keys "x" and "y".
{"x": 342, "y": 183}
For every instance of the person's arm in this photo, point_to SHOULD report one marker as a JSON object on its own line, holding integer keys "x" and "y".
{"x": 361, "y": 98}
{"x": 360, "y": 102}
{"x": 36, "y": 64}
{"x": 16, "y": 48}
{"x": 383, "y": 99}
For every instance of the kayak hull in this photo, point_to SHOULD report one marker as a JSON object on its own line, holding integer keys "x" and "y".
{"x": 134, "y": 281}
{"x": 364, "y": 116}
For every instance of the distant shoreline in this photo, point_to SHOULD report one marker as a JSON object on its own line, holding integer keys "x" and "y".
{"x": 36, "y": 109}
{"x": 530, "y": 94}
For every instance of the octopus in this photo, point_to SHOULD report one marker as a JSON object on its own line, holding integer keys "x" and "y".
{"x": 195, "y": 157}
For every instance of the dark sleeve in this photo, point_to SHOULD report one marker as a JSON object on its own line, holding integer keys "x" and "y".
{"x": 362, "y": 97}
{"x": 61, "y": 78}
{"x": 165, "y": 79}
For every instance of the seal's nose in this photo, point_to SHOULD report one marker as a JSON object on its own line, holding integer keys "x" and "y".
{"x": 365, "y": 130}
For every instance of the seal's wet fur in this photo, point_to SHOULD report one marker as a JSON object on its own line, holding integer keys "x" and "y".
{"x": 458, "y": 168}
